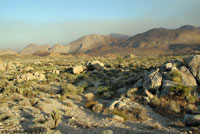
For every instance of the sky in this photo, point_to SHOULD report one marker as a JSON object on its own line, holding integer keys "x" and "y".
{"x": 61, "y": 21}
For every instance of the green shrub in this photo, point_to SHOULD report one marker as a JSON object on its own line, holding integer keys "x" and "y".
{"x": 175, "y": 76}
{"x": 182, "y": 90}
{"x": 69, "y": 89}
{"x": 106, "y": 92}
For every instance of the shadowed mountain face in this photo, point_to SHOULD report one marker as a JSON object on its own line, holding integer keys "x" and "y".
{"x": 161, "y": 38}
{"x": 33, "y": 48}
{"x": 86, "y": 44}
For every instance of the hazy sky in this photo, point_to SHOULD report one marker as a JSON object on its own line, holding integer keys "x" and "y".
{"x": 61, "y": 21}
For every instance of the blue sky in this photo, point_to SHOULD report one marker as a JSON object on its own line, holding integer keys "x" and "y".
{"x": 62, "y": 21}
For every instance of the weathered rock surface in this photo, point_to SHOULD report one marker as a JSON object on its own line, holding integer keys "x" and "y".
{"x": 152, "y": 81}
{"x": 187, "y": 77}
{"x": 193, "y": 64}
{"x": 192, "y": 120}
{"x": 166, "y": 86}
{"x": 92, "y": 65}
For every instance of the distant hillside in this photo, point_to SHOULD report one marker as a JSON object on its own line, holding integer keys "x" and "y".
{"x": 33, "y": 48}
{"x": 7, "y": 51}
{"x": 165, "y": 38}
{"x": 86, "y": 44}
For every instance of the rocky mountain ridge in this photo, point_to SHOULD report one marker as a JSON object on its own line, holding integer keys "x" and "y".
{"x": 185, "y": 39}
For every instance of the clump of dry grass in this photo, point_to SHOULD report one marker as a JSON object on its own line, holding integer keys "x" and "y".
{"x": 56, "y": 116}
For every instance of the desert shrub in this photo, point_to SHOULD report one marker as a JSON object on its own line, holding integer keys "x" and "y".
{"x": 69, "y": 77}
{"x": 181, "y": 90}
{"x": 56, "y": 116}
{"x": 106, "y": 92}
{"x": 119, "y": 60}
{"x": 175, "y": 75}
{"x": 53, "y": 77}
{"x": 83, "y": 76}
{"x": 69, "y": 89}
{"x": 3, "y": 83}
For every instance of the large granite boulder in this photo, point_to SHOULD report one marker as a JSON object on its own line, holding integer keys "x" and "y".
{"x": 193, "y": 64}
{"x": 152, "y": 81}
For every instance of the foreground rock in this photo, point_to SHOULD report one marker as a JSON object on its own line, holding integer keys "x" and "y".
{"x": 193, "y": 64}
{"x": 152, "y": 81}
{"x": 95, "y": 65}
{"x": 192, "y": 120}
{"x": 78, "y": 69}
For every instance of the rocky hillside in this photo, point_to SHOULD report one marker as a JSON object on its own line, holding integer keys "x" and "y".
{"x": 86, "y": 44}
{"x": 162, "y": 38}
{"x": 33, "y": 48}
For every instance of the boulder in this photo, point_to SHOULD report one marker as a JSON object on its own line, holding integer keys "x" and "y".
{"x": 27, "y": 69}
{"x": 26, "y": 77}
{"x": 138, "y": 83}
{"x": 118, "y": 118}
{"x": 166, "y": 67}
{"x": 152, "y": 81}
{"x": 30, "y": 76}
{"x": 166, "y": 86}
{"x": 89, "y": 96}
{"x": 187, "y": 77}
{"x": 149, "y": 94}
{"x": 107, "y": 132}
{"x": 7, "y": 66}
{"x": 78, "y": 69}
{"x": 121, "y": 91}
{"x": 95, "y": 65}
{"x": 193, "y": 64}
{"x": 192, "y": 120}
{"x": 39, "y": 76}
{"x": 97, "y": 108}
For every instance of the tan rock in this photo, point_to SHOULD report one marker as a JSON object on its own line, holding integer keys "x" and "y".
{"x": 78, "y": 69}
{"x": 118, "y": 118}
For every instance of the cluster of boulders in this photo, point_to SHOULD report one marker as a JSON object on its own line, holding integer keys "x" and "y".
{"x": 90, "y": 65}
{"x": 172, "y": 76}
{"x": 31, "y": 76}
{"x": 5, "y": 66}
{"x": 158, "y": 81}
{"x": 163, "y": 81}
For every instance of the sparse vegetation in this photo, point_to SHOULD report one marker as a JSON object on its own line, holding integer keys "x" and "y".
{"x": 80, "y": 99}
{"x": 56, "y": 116}
{"x": 176, "y": 76}
{"x": 69, "y": 89}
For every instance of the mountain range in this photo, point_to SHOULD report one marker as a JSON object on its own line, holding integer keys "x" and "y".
{"x": 185, "y": 39}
